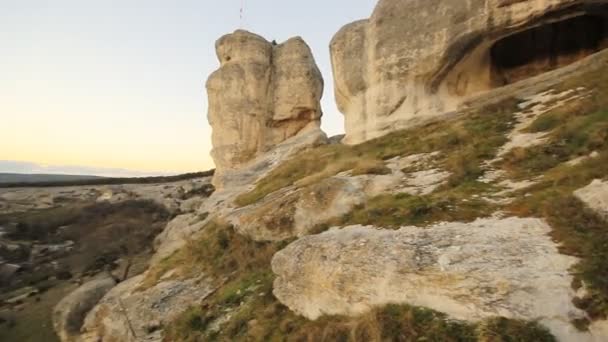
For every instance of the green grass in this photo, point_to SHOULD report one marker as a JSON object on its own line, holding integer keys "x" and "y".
{"x": 219, "y": 251}
{"x": 501, "y": 329}
{"x": 577, "y": 135}
{"x": 248, "y": 311}
{"x": 580, "y": 232}
{"x": 464, "y": 143}
{"x": 575, "y": 129}
{"x": 395, "y": 211}
{"x": 253, "y": 314}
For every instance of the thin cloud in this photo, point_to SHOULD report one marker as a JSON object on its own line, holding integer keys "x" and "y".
{"x": 13, "y": 166}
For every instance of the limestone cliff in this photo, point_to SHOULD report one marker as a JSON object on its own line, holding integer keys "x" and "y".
{"x": 262, "y": 95}
{"x": 414, "y": 61}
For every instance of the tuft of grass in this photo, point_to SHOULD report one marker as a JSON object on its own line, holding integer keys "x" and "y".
{"x": 584, "y": 234}
{"x": 395, "y": 211}
{"x": 218, "y": 251}
{"x": 501, "y": 329}
{"x": 371, "y": 167}
{"x": 260, "y": 317}
{"x": 577, "y": 135}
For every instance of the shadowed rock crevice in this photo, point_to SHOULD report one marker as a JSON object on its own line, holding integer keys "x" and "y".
{"x": 503, "y": 56}
{"x": 547, "y": 47}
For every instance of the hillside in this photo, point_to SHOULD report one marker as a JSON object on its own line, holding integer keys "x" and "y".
{"x": 38, "y": 178}
{"x": 467, "y": 201}
{"x": 49, "y": 181}
{"x": 54, "y": 239}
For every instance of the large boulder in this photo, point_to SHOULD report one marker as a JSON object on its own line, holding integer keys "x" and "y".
{"x": 471, "y": 271}
{"x": 263, "y": 94}
{"x": 70, "y": 312}
{"x": 414, "y": 60}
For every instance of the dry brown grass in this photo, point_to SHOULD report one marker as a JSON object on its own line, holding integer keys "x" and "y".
{"x": 217, "y": 252}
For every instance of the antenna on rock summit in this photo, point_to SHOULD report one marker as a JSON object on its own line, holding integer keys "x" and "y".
{"x": 241, "y": 12}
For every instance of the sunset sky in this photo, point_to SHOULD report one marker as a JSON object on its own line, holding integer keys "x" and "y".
{"x": 101, "y": 85}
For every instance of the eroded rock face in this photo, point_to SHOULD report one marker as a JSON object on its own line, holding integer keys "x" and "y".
{"x": 294, "y": 212}
{"x": 262, "y": 95}
{"x": 70, "y": 312}
{"x": 297, "y": 211}
{"x": 491, "y": 267}
{"x": 413, "y": 61}
{"x": 129, "y": 314}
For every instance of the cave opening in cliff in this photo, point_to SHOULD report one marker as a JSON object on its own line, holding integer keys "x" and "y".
{"x": 547, "y": 47}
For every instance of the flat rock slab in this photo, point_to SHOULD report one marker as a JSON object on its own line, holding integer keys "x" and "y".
{"x": 471, "y": 271}
{"x": 595, "y": 196}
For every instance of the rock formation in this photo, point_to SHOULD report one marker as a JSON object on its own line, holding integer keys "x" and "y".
{"x": 262, "y": 95}
{"x": 413, "y": 61}
{"x": 490, "y": 267}
{"x": 69, "y": 314}
{"x": 129, "y": 314}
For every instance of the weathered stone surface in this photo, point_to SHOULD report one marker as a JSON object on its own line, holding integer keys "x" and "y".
{"x": 490, "y": 267}
{"x": 128, "y": 314}
{"x": 414, "y": 61}
{"x": 262, "y": 95}
{"x": 70, "y": 312}
{"x": 595, "y": 196}
{"x": 294, "y": 212}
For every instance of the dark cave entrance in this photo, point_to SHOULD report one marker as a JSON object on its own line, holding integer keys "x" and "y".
{"x": 547, "y": 47}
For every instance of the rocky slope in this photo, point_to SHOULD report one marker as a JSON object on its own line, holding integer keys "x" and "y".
{"x": 53, "y": 239}
{"x": 469, "y": 203}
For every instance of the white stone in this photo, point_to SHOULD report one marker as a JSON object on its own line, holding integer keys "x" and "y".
{"x": 471, "y": 271}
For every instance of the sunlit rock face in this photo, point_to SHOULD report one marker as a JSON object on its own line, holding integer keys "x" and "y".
{"x": 413, "y": 61}
{"x": 263, "y": 94}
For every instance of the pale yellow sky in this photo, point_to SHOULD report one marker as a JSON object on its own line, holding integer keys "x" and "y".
{"x": 120, "y": 83}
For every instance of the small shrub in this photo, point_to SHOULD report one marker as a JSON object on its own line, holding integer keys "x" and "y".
{"x": 371, "y": 167}
{"x": 508, "y": 330}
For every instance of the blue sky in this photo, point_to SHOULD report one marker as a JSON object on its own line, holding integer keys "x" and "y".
{"x": 120, "y": 84}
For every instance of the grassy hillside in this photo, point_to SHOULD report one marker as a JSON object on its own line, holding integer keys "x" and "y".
{"x": 247, "y": 311}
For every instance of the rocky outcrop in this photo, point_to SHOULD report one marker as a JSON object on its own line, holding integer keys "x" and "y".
{"x": 297, "y": 211}
{"x": 414, "y": 61}
{"x": 130, "y": 314}
{"x": 262, "y": 95}
{"x": 491, "y": 267}
{"x": 293, "y": 212}
{"x": 69, "y": 314}
{"x": 595, "y": 196}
